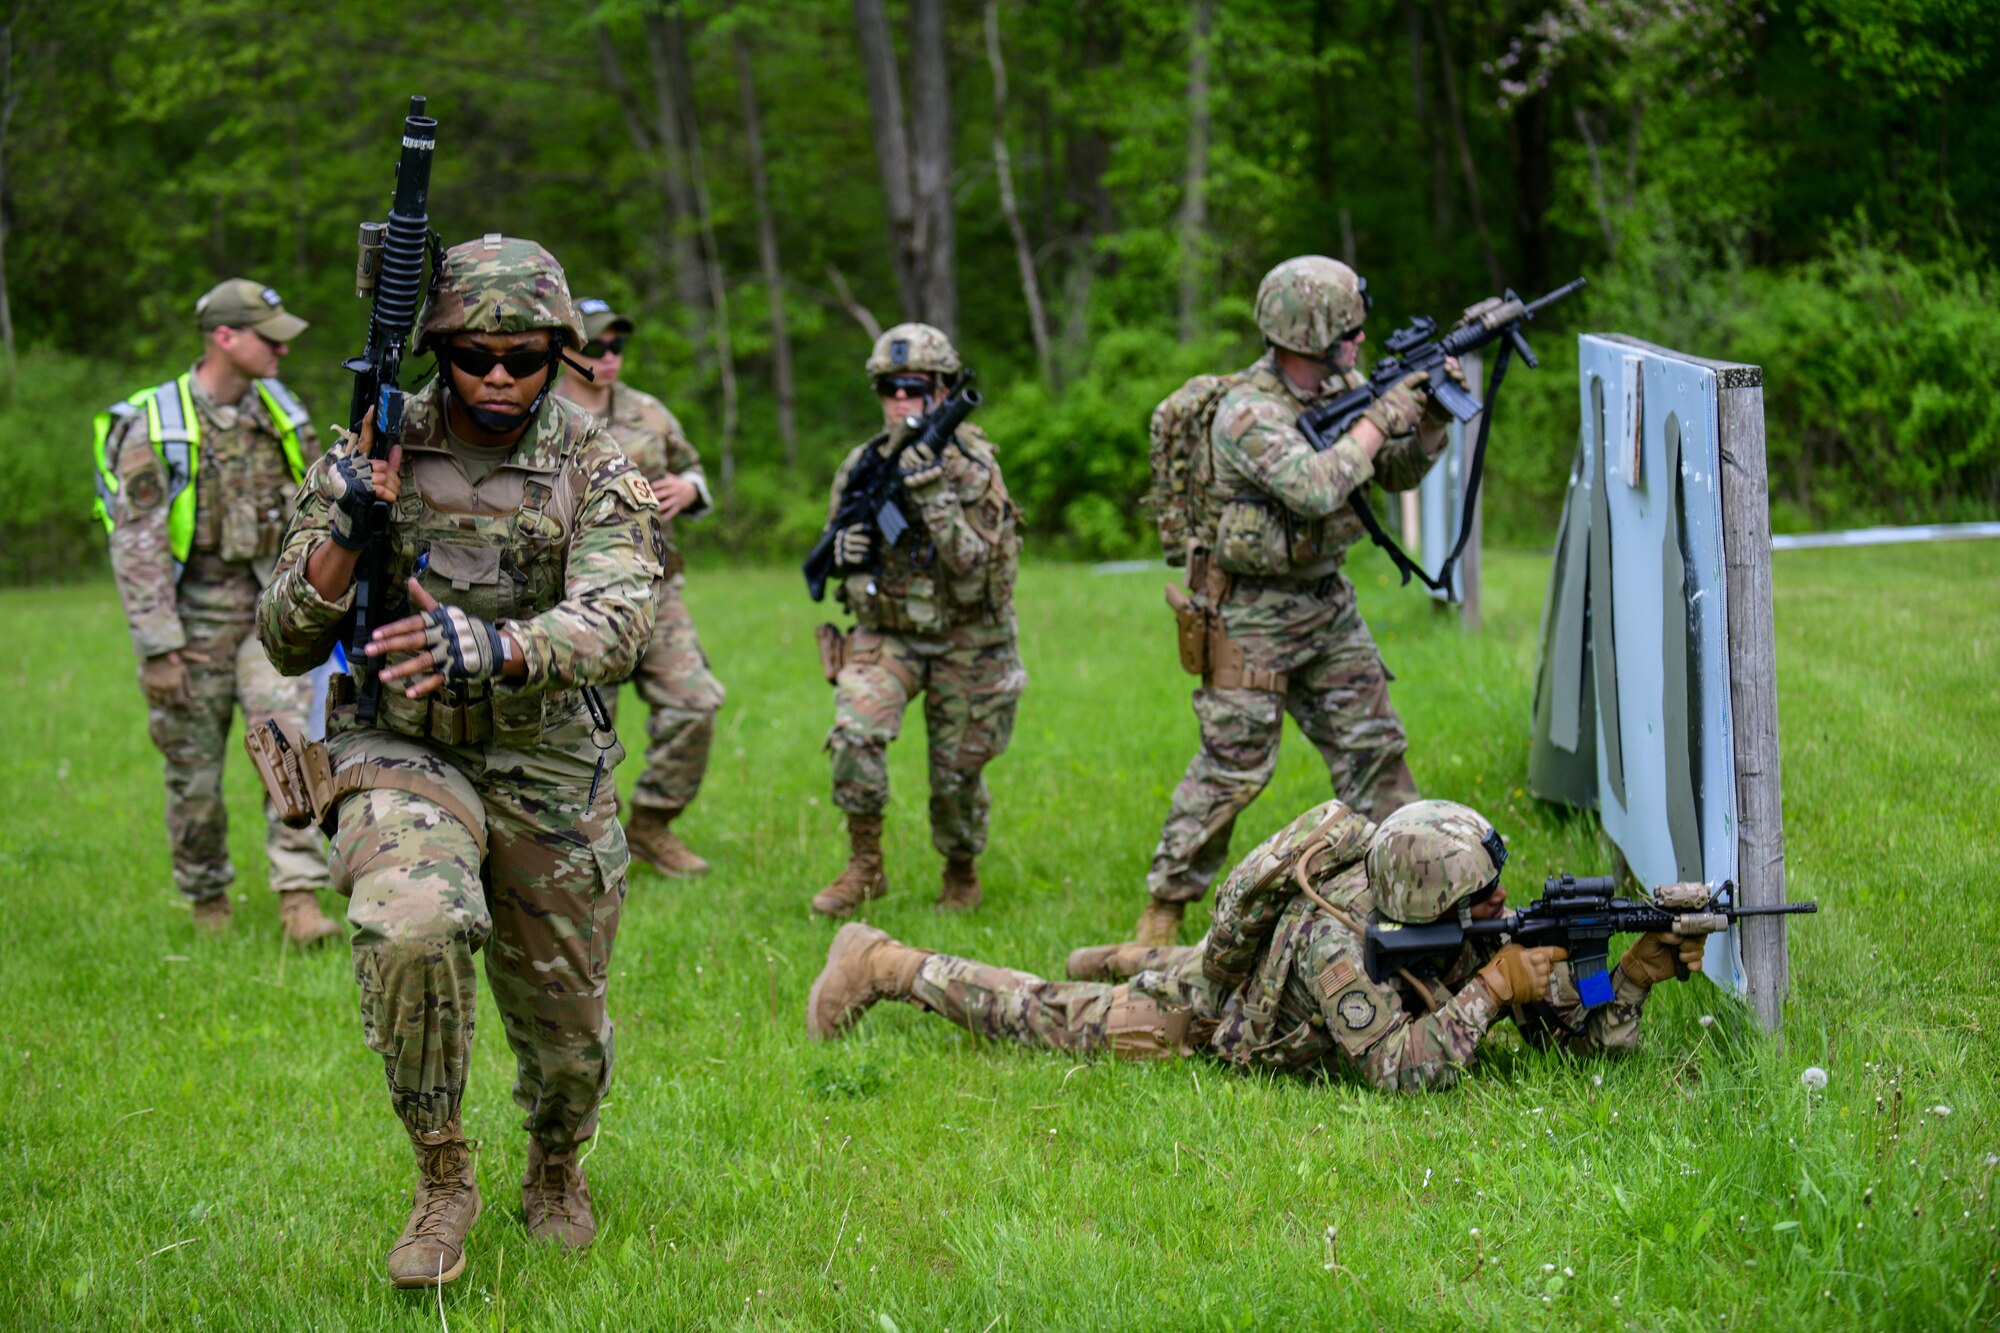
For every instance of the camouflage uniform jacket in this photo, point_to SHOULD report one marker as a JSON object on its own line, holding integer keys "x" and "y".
{"x": 1276, "y": 507}
{"x": 957, "y": 567}
{"x": 651, "y": 436}
{"x": 559, "y": 546}
{"x": 243, "y": 495}
{"x": 1308, "y": 1001}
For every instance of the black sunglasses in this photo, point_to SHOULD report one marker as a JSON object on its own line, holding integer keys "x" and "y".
{"x": 597, "y": 347}
{"x": 478, "y": 362}
{"x": 910, "y": 386}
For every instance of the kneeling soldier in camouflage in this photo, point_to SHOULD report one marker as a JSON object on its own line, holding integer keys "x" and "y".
{"x": 522, "y": 558}
{"x": 1279, "y": 982}
{"x": 937, "y": 619}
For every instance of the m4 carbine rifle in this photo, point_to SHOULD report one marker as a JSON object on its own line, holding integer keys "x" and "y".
{"x": 1580, "y": 915}
{"x": 390, "y": 272}
{"x": 874, "y": 495}
{"x": 1418, "y": 347}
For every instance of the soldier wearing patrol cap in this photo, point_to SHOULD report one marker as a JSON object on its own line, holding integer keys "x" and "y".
{"x": 195, "y": 479}
{"x": 673, "y": 677}
{"x": 1280, "y": 982}
{"x": 474, "y": 812}
{"x": 935, "y": 617}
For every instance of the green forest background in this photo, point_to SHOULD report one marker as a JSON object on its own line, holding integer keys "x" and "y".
{"x": 1810, "y": 185}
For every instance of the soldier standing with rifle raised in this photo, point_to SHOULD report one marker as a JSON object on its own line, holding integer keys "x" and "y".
{"x": 934, "y": 611}
{"x": 506, "y": 552}
{"x": 1268, "y": 619}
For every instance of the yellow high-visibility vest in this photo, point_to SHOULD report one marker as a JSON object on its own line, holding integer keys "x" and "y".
{"x": 174, "y": 429}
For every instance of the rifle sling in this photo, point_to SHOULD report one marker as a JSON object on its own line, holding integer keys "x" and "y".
{"x": 1358, "y": 500}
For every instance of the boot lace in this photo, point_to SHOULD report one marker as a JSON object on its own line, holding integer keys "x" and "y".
{"x": 554, "y": 1187}
{"x": 442, "y": 1189}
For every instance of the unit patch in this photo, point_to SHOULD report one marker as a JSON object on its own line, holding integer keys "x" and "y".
{"x": 1356, "y": 1010}
{"x": 143, "y": 491}
{"x": 637, "y": 489}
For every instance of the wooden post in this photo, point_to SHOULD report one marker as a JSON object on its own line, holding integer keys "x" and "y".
{"x": 1467, "y": 575}
{"x": 1753, "y": 688}
{"x": 1753, "y": 677}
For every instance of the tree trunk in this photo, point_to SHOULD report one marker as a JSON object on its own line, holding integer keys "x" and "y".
{"x": 690, "y": 272}
{"x": 672, "y": 44}
{"x": 1534, "y": 187}
{"x": 767, "y": 252}
{"x": 1003, "y": 168}
{"x": 1465, "y": 161}
{"x": 9, "y": 99}
{"x": 860, "y": 313}
{"x": 660, "y": 140}
{"x": 1194, "y": 181}
{"x": 892, "y": 148}
{"x": 930, "y": 138}
{"x": 1427, "y": 136}
{"x": 1597, "y": 194}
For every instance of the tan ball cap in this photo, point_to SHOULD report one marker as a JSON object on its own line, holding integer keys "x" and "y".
{"x": 241, "y": 303}
{"x": 599, "y": 318}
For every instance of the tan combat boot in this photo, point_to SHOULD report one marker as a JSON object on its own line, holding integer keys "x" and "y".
{"x": 863, "y": 878}
{"x": 305, "y": 926}
{"x": 961, "y": 891}
{"x": 652, "y": 840}
{"x": 863, "y": 966}
{"x": 1108, "y": 962}
{"x": 431, "y": 1250}
{"x": 211, "y": 915}
{"x": 1159, "y": 925}
{"x": 555, "y": 1198}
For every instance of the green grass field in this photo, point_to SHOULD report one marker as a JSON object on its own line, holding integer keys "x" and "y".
{"x": 195, "y": 1136}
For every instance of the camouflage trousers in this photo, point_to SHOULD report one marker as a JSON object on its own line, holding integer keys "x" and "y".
{"x": 227, "y": 670}
{"x": 1339, "y": 696}
{"x": 1150, "y": 1017}
{"x": 971, "y": 680}
{"x": 674, "y": 681}
{"x": 543, "y": 903}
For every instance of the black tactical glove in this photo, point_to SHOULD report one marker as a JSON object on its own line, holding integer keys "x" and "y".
{"x": 461, "y": 646}
{"x": 347, "y": 484}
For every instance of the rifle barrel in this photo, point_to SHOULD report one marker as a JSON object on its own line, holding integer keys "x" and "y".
{"x": 1783, "y": 909}
{"x": 1570, "y": 288}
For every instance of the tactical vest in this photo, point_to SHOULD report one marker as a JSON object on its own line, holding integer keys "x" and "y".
{"x": 1251, "y": 533}
{"x": 914, "y": 592}
{"x": 499, "y": 551}
{"x": 174, "y": 429}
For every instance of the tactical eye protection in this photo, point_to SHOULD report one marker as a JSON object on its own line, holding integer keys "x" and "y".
{"x": 908, "y": 386}
{"x": 1485, "y": 895}
{"x": 596, "y": 347}
{"x": 478, "y": 363}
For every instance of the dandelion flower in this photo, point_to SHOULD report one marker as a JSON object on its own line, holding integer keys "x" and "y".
{"x": 1707, "y": 1020}
{"x": 1813, "y": 1077}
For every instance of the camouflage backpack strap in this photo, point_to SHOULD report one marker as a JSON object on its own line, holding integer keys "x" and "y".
{"x": 1317, "y": 846}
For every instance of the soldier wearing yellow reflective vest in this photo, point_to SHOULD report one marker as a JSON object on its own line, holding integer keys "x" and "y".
{"x": 196, "y": 479}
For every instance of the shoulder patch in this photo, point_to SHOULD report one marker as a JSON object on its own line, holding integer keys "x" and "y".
{"x": 1357, "y": 1013}
{"x": 143, "y": 491}
{"x": 636, "y": 489}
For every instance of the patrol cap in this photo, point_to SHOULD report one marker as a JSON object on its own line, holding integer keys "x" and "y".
{"x": 599, "y": 318}
{"x": 241, "y": 303}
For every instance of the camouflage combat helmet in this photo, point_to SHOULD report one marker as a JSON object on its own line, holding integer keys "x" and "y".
{"x": 1430, "y": 857}
{"x": 914, "y": 347}
{"x": 1305, "y": 304}
{"x": 499, "y": 284}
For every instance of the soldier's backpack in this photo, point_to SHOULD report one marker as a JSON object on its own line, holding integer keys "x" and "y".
{"x": 1182, "y": 459}
{"x": 1314, "y": 848}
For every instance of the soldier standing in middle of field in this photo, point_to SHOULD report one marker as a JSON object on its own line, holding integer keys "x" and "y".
{"x": 936, "y": 616}
{"x": 1270, "y": 532}
{"x": 673, "y": 677}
